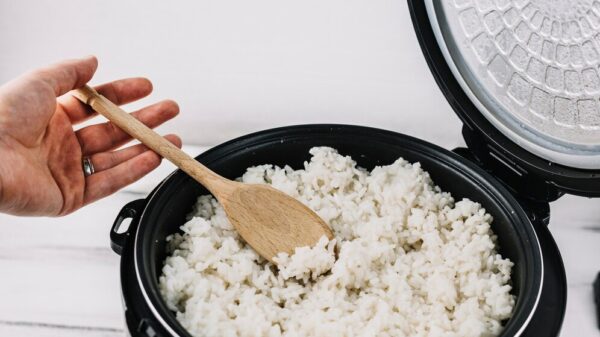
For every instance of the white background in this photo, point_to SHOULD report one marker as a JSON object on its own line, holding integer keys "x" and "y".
{"x": 234, "y": 67}
{"x": 238, "y": 66}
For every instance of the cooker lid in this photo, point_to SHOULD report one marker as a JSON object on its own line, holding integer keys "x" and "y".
{"x": 531, "y": 68}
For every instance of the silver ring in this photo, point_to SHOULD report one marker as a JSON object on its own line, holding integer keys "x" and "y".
{"x": 88, "y": 167}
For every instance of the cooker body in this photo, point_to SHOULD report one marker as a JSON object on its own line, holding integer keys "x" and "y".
{"x": 538, "y": 274}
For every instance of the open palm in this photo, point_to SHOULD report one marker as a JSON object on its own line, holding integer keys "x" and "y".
{"x": 41, "y": 152}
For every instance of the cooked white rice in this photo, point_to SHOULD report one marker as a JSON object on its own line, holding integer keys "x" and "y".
{"x": 411, "y": 262}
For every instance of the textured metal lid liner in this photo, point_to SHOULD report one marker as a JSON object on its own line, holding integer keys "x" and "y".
{"x": 531, "y": 67}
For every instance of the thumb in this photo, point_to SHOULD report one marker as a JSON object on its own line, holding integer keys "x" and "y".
{"x": 67, "y": 75}
{"x": 27, "y": 103}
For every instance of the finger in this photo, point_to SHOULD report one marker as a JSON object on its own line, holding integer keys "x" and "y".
{"x": 67, "y": 75}
{"x": 107, "y": 136}
{"x": 119, "y": 92}
{"x": 107, "y": 160}
{"x": 102, "y": 184}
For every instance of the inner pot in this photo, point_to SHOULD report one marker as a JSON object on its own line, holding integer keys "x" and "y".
{"x": 172, "y": 201}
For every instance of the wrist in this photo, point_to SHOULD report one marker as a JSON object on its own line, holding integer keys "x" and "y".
{"x": 1, "y": 185}
{"x": 3, "y": 172}
{"x": 1, "y": 198}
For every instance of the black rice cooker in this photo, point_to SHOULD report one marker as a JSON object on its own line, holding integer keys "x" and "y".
{"x": 517, "y": 160}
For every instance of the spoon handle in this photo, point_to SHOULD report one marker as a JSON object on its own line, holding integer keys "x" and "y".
{"x": 151, "y": 139}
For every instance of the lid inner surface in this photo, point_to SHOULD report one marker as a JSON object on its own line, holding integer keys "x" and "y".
{"x": 531, "y": 67}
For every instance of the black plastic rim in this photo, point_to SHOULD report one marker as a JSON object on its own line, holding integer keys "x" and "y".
{"x": 571, "y": 180}
{"x": 512, "y": 225}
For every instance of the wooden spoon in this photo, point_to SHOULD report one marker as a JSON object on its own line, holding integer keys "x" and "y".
{"x": 269, "y": 220}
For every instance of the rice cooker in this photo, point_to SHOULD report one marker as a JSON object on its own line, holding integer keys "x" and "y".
{"x": 522, "y": 76}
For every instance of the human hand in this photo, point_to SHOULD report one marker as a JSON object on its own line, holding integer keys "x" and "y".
{"x": 41, "y": 153}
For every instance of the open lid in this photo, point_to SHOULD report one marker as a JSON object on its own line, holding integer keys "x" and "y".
{"x": 524, "y": 74}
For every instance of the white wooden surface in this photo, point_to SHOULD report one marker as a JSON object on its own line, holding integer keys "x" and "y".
{"x": 58, "y": 276}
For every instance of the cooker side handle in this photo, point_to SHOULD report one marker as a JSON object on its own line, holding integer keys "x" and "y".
{"x": 118, "y": 235}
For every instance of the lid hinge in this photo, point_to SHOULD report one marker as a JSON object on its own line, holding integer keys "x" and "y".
{"x": 537, "y": 211}
{"x": 533, "y": 193}
{"x": 516, "y": 178}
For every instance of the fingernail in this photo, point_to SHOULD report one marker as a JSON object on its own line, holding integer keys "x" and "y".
{"x": 89, "y": 57}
